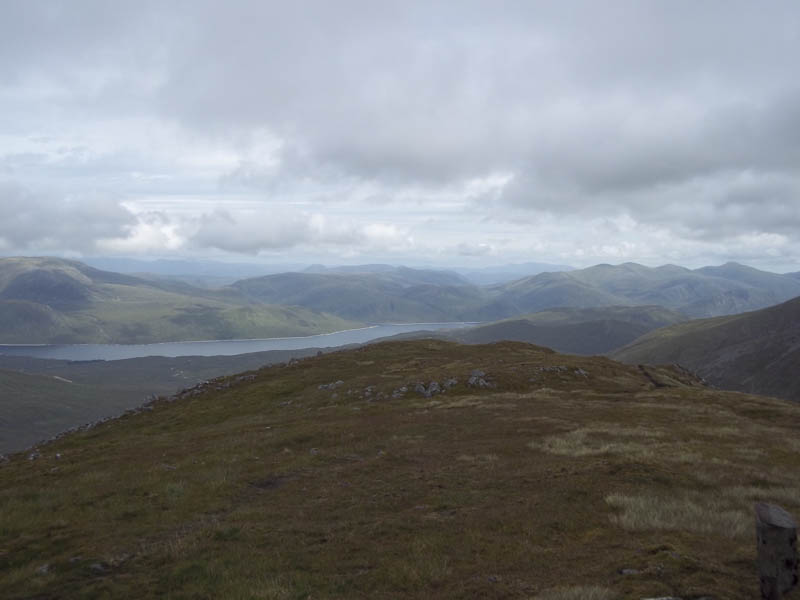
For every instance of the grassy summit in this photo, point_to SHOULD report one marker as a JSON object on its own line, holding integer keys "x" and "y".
{"x": 549, "y": 477}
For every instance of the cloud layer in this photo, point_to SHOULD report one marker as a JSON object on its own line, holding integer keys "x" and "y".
{"x": 572, "y": 132}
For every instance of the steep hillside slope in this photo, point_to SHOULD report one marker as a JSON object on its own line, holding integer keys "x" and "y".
{"x": 755, "y": 352}
{"x": 575, "y": 330}
{"x": 48, "y": 300}
{"x": 534, "y": 475}
{"x": 42, "y": 397}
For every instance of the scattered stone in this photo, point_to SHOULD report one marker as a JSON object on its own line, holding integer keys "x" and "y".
{"x": 448, "y": 383}
{"x": 629, "y": 571}
{"x": 99, "y": 567}
{"x": 75, "y": 559}
{"x": 493, "y": 578}
{"x": 34, "y": 455}
{"x": 581, "y": 372}
{"x": 43, "y": 570}
{"x": 431, "y": 389}
{"x": 314, "y": 451}
{"x": 477, "y": 379}
{"x": 399, "y": 392}
{"x": 331, "y": 386}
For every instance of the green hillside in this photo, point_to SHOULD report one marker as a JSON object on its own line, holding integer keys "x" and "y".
{"x": 43, "y": 397}
{"x": 47, "y": 300}
{"x": 755, "y": 352}
{"x": 397, "y": 296}
{"x": 711, "y": 291}
{"x": 550, "y": 476}
{"x": 575, "y": 330}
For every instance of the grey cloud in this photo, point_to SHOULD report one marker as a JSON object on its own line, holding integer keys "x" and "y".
{"x": 252, "y": 233}
{"x": 35, "y": 220}
{"x": 680, "y": 114}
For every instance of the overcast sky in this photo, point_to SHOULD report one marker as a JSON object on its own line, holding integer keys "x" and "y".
{"x": 441, "y": 133}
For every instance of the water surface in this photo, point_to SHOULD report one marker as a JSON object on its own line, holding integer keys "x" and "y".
{"x": 218, "y": 347}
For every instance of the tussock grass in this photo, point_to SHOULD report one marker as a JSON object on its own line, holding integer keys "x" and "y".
{"x": 581, "y": 592}
{"x": 685, "y": 512}
{"x": 592, "y": 441}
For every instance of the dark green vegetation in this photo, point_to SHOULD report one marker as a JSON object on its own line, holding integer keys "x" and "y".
{"x": 574, "y": 330}
{"x": 547, "y": 485}
{"x": 42, "y": 397}
{"x": 757, "y": 351}
{"x": 48, "y": 300}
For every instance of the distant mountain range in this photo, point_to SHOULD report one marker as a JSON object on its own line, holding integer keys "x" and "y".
{"x": 511, "y": 272}
{"x": 710, "y": 291}
{"x": 756, "y": 351}
{"x": 409, "y": 295}
{"x": 49, "y": 300}
{"x": 396, "y": 295}
{"x": 53, "y": 300}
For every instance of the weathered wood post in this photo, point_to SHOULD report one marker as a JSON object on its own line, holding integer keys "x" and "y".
{"x": 776, "y": 533}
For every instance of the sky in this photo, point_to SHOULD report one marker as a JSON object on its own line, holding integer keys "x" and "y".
{"x": 437, "y": 133}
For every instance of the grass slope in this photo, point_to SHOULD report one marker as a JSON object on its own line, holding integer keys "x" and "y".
{"x": 48, "y": 300}
{"x": 574, "y": 330}
{"x": 43, "y": 397}
{"x": 755, "y": 352}
{"x": 547, "y": 485}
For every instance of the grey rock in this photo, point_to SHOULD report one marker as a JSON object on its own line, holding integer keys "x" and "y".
{"x": 420, "y": 388}
{"x": 479, "y": 382}
{"x": 99, "y": 567}
{"x": 43, "y": 570}
{"x": 629, "y": 571}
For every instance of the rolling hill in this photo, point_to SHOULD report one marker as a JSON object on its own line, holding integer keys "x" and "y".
{"x": 396, "y": 295}
{"x": 710, "y": 291}
{"x": 533, "y": 475}
{"x": 49, "y": 300}
{"x": 756, "y": 352}
{"x": 45, "y": 300}
{"x": 574, "y": 330}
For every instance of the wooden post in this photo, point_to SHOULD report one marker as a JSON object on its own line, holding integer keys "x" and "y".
{"x": 776, "y": 532}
